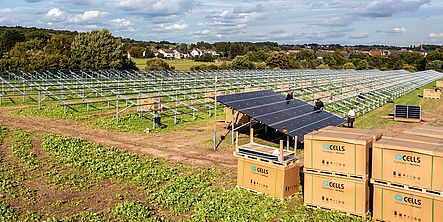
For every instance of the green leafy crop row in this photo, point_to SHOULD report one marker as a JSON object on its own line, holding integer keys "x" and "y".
{"x": 21, "y": 148}
{"x": 114, "y": 163}
{"x": 7, "y": 213}
{"x": 185, "y": 192}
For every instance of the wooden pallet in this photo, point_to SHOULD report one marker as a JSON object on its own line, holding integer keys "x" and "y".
{"x": 337, "y": 174}
{"x": 407, "y": 120}
{"x": 329, "y": 209}
{"x": 276, "y": 162}
{"x": 408, "y": 188}
{"x": 432, "y": 96}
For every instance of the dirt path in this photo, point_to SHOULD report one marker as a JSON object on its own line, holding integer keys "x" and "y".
{"x": 177, "y": 147}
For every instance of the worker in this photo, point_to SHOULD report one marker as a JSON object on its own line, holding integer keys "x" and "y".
{"x": 351, "y": 117}
{"x": 318, "y": 105}
{"x": 289, "y": 97}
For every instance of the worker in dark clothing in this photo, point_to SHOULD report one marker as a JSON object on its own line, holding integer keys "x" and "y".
{"x": 318, "y": 105}
{"x": 289, "y": 97}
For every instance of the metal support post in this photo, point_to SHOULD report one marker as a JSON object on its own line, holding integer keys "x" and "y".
{"x": 116, "y": 109}
{"x": 232, "y": 126}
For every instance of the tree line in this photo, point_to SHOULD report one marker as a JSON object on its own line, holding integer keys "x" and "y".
{"x": 40, "y": 50}
{"x": 23, "y": 49}
{"x": 306, "y": 59}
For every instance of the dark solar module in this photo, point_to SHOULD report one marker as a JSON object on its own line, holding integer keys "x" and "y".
{"x": 271, "y": 109}
{"x": 408, "y": 111}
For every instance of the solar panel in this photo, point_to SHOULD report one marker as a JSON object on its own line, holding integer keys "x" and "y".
{"x": 270, "y": 108}
{"x": 408, "y": 111}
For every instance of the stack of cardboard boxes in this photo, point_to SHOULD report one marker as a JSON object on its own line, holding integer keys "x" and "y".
{"x": 337, "y": 169}
{"x": 406, "y": 176}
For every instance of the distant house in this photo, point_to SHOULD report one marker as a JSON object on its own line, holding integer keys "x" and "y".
{"x": 211, "y": 52}
{"x": 196, "y": 52}
{"x": 292, "y": 51}
{"x": 322, "y": 53}
{"x": 177, "y": 54}
{"x": 167, "y": 53}
{"x": 386, "y": 52}
{"x": 375, "y": 53}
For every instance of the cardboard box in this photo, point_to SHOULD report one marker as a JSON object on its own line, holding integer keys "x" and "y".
{"x": 148, "y": 105}
{"x": 390, "y": 204}
{"x": 342, "y": 194}
{"x": 424, "y": 132}
{"x": 268, "y": 177}
{"x": 415, "y": 138}
{"x": 430, "y": 128}
{"x": 408, "y": 163}
{"x": 370, "y": 133}
{"x": 343, "y": 153}
{"x": 431, "y": 94}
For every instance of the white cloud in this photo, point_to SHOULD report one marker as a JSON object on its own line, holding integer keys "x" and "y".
{"x": 362, "y": 35}
{"x": 4, "y": 20}
{"x": 436, "y": 35}
{"x": 122, "y": 24}
{"x": 157, "y": 7}
{"x": 55, "y": 14}
{"x": 86, "y": 16}
{"x": 398, "y": 30}
{"x": 387, "y": 8}
{"x": 176, "y": 26}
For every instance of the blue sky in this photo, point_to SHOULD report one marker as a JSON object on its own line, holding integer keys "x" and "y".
{"x": 401, "y": 22}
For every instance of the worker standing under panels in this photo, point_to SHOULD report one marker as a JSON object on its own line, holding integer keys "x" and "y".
{"x": 351, "y": 117}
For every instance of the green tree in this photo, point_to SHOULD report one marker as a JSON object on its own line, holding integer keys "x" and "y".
{"x": 28, "y": 48}
{"x": 323, "y": 66}
{"x": 149, "y": 53}
{"x": 136, "y": 51}
{"x": 224, "y": 66}
{"x": 183, "y": 48}
{"x": 258, "y": 56}
{"x": 278, "y": 60}
{"x": 38, "y": 34}
{"x": 59, "y": 44}
{"x": 9, "y": 38}
{"x": 305, "y": 54}
{"x": 362, "y": 65}
{"x": 240, "y": 62}
{"x": 157, "y": 65}
{"x": 349, "y": 65}
{"x": 335, "y": 60}
{"x": 206, "y": 57}
{"x": 436, "y": 65}
{"x": 97, "y": 50}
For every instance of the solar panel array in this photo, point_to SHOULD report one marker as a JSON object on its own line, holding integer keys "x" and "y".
{"x": 181, "y": 93}
{"x": 292, "y": 117}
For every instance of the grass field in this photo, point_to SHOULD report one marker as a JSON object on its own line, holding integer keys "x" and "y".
{"x": 179, "y": 64}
